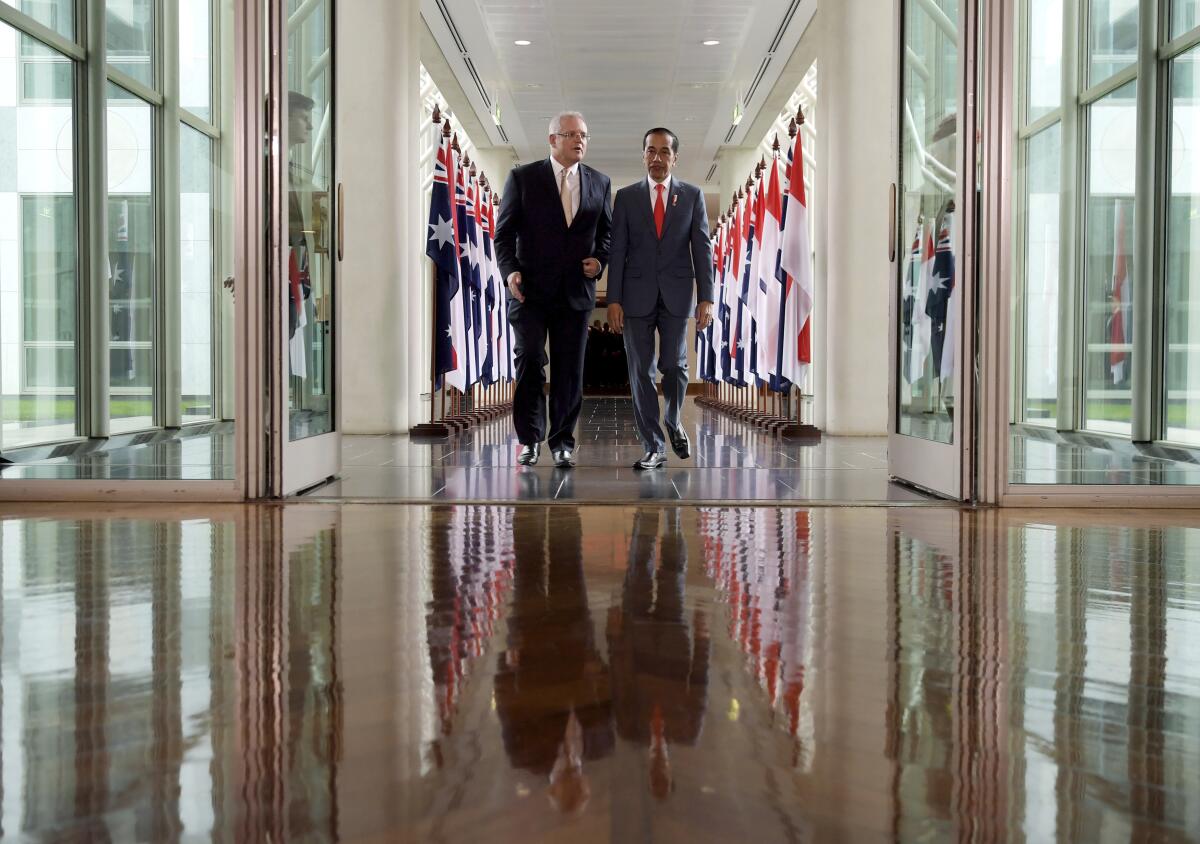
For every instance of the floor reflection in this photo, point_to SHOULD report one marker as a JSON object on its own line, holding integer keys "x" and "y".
{"x": 632, "y": 673}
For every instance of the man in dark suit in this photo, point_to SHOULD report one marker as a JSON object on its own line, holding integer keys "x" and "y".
{"x": 552, "y": 242}
{"x": 661, "y": 255}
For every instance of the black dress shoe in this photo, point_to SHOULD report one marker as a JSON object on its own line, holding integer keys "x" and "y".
{"x": 679, "y": 443}
{"x": 529, "y": 454}
{"x": 651, "y": 460}
{"x": 563, "y": 458}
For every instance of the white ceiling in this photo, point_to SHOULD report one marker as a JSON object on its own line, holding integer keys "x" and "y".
{"x": 628, "y": 65}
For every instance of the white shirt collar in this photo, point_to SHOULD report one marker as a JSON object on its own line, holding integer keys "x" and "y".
{"x": 573, "y": 170}
{"x": 666, "y": 184}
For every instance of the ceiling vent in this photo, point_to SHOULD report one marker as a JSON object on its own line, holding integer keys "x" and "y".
{"x": 465, "y": 55}
{"x": 788, "y": 16}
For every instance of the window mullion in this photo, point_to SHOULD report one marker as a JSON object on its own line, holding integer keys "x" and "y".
{"x": 93, "y": 369}
{"x": 1072, "y": 190}
{"x": 1145, "y": 222}
{"x": 169, "y": 356}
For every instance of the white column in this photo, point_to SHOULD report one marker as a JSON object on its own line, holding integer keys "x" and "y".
{"x": 383, "y": 368}
{"x": 854, "y": 170}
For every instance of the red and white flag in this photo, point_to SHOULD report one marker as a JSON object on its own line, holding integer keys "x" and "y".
{"x": 766, "y": 311}
{"x": 796, "y": 261}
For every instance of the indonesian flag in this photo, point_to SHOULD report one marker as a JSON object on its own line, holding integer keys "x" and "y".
{"x": 796, "y": 261}
{"x": 766, "y": 311}
{"x": 750, "y": 289}
{"x": 1120, "y": 324}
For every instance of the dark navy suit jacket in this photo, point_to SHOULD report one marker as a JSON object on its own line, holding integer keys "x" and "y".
{"x": 643, "y": 266}
{"x": 532, "y": 236}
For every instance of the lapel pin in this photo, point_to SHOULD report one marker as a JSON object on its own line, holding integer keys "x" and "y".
{"x": 674, "y": 199}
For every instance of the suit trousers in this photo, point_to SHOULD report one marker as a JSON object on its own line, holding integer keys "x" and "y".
{"x": 672, "y": 363}
{"x": 567, "y": 331}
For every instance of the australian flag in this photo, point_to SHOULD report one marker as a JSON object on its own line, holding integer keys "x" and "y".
{"x": 442, "y": 249}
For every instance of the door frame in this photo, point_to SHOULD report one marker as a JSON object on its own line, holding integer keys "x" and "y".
{"x": 295, "y": 465}
{"x": 945, "y": 469}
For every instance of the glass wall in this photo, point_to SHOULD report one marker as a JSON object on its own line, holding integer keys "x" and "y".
{"x": 1106, "y": 352}
{"x": 131, "y": 261}
{"x": 142, "y": 328}
{"x": 39, "y": 271}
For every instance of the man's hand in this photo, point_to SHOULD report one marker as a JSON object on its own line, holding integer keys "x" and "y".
{"x": 591, "y": 267}
{"x": 704, "y": 311}
{"x": 616, "y": 317}
{"x": 514, "y": 287}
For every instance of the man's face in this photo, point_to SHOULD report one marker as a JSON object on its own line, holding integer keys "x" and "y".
{"x": 658, "y": 156}
{"x": 299, "y": 127}
{"x": 569, "y": 144}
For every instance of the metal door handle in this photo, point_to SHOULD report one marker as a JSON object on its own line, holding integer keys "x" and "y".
{"x": 341, "y": 216}
{"x": 892, "y": 223}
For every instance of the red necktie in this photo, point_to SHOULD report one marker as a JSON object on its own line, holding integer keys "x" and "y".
{"x": 660, "y": 211}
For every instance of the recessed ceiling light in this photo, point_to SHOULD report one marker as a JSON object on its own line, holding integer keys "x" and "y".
{"x": 533, "y": 85}
{"x": 521, "y": 42}
{"x": 712, "y": 42}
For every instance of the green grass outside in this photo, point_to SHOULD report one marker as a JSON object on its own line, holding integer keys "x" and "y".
{"x": 1177, "y": 415}
{"x": 30, "y": 409}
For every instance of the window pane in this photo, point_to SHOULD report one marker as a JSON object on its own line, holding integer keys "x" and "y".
{"x": 929, "y": 183}
{"x": 1113, "y": 38}
{"x": 1183, "y": 256}
{"x": 1109, "y": 261}
{"x": 310, "y": 340}
{"x": 1041, "y": 276}
{"x": 196, "y": 273}
{"x": 131, "y": 260}
{"x": 38, "y": 262}
{"x": 1045, "y": 57}
{"x": 1185, "y": 16}
{"x": 195, "y": 57}
{"x": 130, "y": 37}
{"x": 58, "y": 15}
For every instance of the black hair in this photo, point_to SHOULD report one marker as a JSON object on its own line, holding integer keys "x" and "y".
{"x": 659, "y": 129}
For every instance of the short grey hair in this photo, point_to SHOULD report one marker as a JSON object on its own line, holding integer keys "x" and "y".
{"x": 556, "y": 121}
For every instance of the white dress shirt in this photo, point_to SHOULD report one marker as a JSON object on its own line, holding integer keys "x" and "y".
{"x": 572, "y": 183}
{"x": 654, "y": 193}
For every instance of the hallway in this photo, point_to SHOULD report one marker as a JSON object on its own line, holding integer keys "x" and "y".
{"x": 731, "y": 462}
{"x": 634, "y": 673}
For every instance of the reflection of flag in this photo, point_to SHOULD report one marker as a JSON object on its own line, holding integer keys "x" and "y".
{"x": 297, "y": 273}
{"x": 796, "y": 261}
{"x": 940, "y": 298}
{"x": 120, "y": 297}
{"x": 1120, "y": 324}
{"x": 442, "y": 249}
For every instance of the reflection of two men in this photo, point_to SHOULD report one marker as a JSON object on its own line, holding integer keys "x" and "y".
{"x": 560, "y": 706}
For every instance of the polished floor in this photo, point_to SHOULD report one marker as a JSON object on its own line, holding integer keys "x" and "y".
{"x": 1044, "y": 456}
{"x": 651, "y": 672}
{"x": 202, "y": 452}
{"x": 731, "y": 462}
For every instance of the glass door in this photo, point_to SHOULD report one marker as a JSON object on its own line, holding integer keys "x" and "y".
{"x": 933, "y": 210}
{"x": 305, "y": 240}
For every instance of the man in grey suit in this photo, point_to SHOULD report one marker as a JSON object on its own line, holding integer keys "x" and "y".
{"x": 661, "y": 254}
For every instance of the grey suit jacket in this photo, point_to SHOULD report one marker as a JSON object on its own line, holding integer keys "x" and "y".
{"x": 641, "y": 266}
